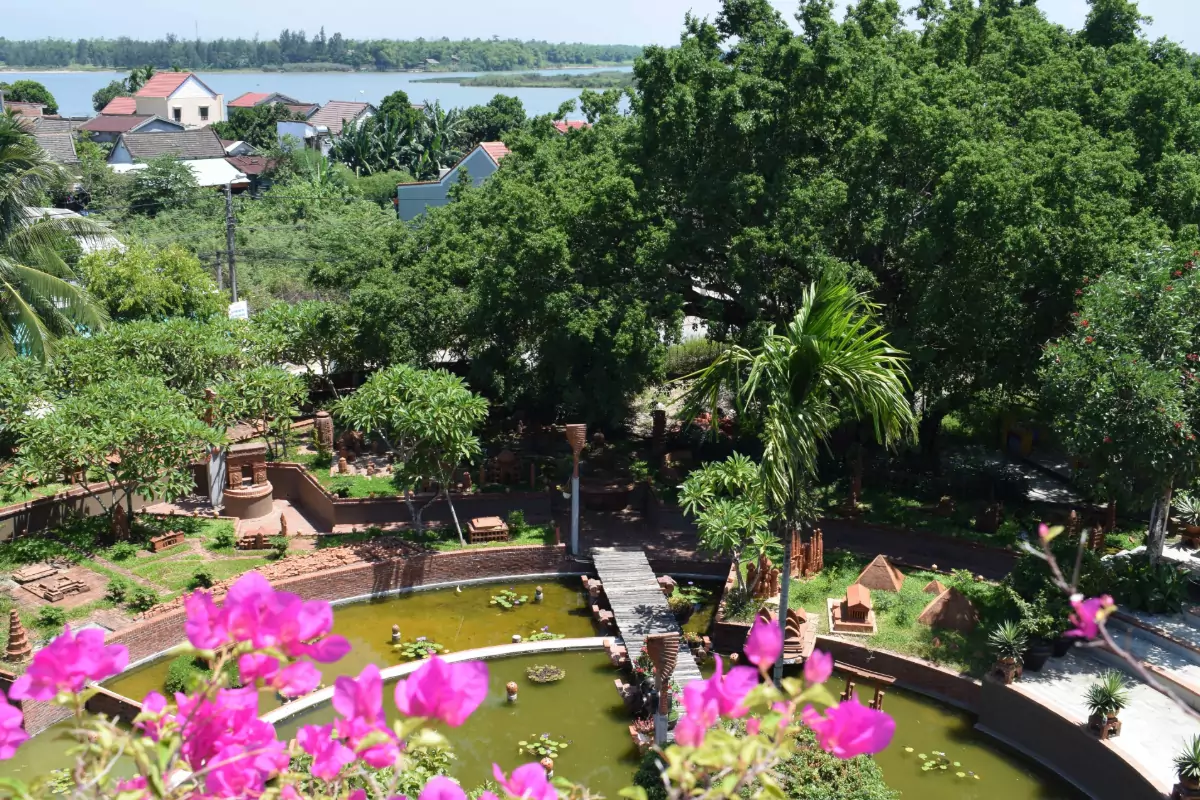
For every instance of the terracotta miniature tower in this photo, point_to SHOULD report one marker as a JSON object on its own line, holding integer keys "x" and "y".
{"x": 18, "y": 649}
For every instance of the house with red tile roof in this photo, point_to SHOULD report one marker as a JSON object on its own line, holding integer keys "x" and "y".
{"x": 413, "y": 198}
{"x": 180, "y": 97}
{"x": 254, "y": 99}
{"x": 120, "y": 105}
{"x": 335, "y": 114}
{"x": 564, "y": 125}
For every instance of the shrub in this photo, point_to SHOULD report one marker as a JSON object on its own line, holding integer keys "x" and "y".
{"x": 691, "y": 355}
{"x": 184, "y": 672}
{"x": 122, "y": 551}
{"x": 1008, "y": 640}
{"x": 201, "y": 579}
{"x": 279, "y": 547}
{"x": 50, "y": 617}
{"x": 1187, "y": 762}
{"x": 224, "y": 538}
{"x": 649, "y": 777}
{"x": 516, "y": 523}
{"x": 679, "y": 605}
{"x": 812, "y": 774}
{"x": 117, "y": 590}
{"x": 141, "y": 598}
{"x": 545, "y": 673}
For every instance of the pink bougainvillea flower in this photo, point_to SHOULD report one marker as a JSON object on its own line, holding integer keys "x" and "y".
{"x": 440, "y": 787}
{"x": 205, "y": 625}
{"x": 445, "y": 691}
{"x": 153, "y": 717}
{"x": 764, "y": 644}
{"x": 723, "y": 692}
{"x": 690, "y": 731}
{"x": 528, "y": 782}
{"x": 329, "y": 754}
{"x": 254, "y": 667}
{"x": 850, "y": 729}
{"x": 818, "y": 667}
{"x": 359, "y": 701}
{"x": 1089, "y": 614}
{"x": 753, "y": 725}
{"x": 226, "y": 727}
{"x": 296, "y": 679}
{"x": 254, "y": 612}
{"x": 12, "y": 735}
{"x": 68, "y": 663}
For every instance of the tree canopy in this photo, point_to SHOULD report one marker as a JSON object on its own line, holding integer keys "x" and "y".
{"x": 27, "y": 91}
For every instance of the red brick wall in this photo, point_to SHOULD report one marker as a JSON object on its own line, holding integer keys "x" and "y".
{"x": 156, "y": 634}
{"x": 912, "y": 673}
{"x": 47, "y": 512}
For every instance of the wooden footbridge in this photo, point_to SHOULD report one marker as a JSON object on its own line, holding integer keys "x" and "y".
{"x": 639, "y": 606}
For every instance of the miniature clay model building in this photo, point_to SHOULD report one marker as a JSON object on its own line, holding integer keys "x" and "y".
{"x": 881, "y": 576}
{"x": 853, "y": 614}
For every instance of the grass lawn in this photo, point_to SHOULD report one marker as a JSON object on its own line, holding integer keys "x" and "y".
{"x": 894, "y": 509}
{"x": 22, "y": 495}
{"x": 896, "y": 613}
{"x": 175, "y": 574}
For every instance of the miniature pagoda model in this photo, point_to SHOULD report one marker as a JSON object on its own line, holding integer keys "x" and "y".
{"x": 853, "y": 614}
{"x": 18, "y": 649}
{"x": 248, "y": 493}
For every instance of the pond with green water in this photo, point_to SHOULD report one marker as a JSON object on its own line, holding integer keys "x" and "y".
{"x": 584, "y": 709}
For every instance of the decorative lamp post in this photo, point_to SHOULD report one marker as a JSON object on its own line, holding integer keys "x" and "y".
{"x": 577, "y": 437}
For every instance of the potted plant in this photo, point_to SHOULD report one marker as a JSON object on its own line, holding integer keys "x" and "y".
{"x": 1187, "y": 511}
{"x": 1041, "y": 624}
{"x": 1187, "y": 768}
{"x": 1105, "y": 699}
{"x": 1008, "y": 640}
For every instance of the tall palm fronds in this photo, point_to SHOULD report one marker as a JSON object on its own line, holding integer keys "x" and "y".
{"x": 829, "y": 363}
{"x": 39, "y": 298}
{"x": 425, "y": 148}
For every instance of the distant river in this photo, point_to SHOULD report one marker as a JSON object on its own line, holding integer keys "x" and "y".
{"x": 73, "y": 90}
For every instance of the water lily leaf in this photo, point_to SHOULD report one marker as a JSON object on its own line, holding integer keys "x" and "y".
{"x": 922, "y": 756}
{"x": 908, "y": 749}
{"x": 960, "y": 774}
{"x": 957, "y": 764}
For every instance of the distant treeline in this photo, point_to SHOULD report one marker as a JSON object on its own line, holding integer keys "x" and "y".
{"x": 592, "y": 80}
{"x": 295, "y": 48}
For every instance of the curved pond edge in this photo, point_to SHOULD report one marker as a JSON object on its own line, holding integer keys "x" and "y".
{"x": 1042, "y": 732}
{"x": 323, "y": 696}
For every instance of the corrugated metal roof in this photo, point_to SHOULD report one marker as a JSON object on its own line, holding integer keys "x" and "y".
{"x": 208, "y": 171}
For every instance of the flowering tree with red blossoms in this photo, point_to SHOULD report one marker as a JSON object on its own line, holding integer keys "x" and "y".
{"x": 212, "y": 744}
{"x": 1123, "y": 386}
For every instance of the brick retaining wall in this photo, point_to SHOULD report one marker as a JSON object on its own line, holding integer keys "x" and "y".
{"x": 293, "y": 483}
{"x": 153, "y": 635}
{"x": 36, "y": 515}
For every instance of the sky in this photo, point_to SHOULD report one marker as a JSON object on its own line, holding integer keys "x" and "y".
{"x": 608, "y": 22}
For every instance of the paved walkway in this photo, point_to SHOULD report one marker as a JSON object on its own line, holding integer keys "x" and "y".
{"x": 1153, "y": 728}
{"x": 639, "y": 606}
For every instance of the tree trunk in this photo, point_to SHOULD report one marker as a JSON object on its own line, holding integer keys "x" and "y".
{"x": 785, "y": 585}
{"x": 454, "y": 515}
{"x": 1160, "y": 515}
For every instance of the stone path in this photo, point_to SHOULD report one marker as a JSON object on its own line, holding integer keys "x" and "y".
{"x": 639, "y": 606}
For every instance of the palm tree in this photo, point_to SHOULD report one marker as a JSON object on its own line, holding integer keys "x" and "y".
{"x": 137, "y": 78}
{"x": 831, "y": 362}
{"x": 39, "y": 298}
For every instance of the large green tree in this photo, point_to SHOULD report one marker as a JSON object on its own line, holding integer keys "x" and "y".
{"x": 831, "y": 362}
{"x": 1122, "y": 388}
{"x": 256, "y": 126}
{"x": 40, "y": 299}
{"x": 140, "y": 283}
{"x": 27, "y": 91}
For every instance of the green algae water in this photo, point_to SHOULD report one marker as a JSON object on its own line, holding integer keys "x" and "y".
{"x": 582, "y": 710}
{"x": 456, "y": 620}
{"x": 926, "y": 728}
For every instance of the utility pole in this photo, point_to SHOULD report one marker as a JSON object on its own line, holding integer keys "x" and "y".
{"x": 230, "y": 225}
